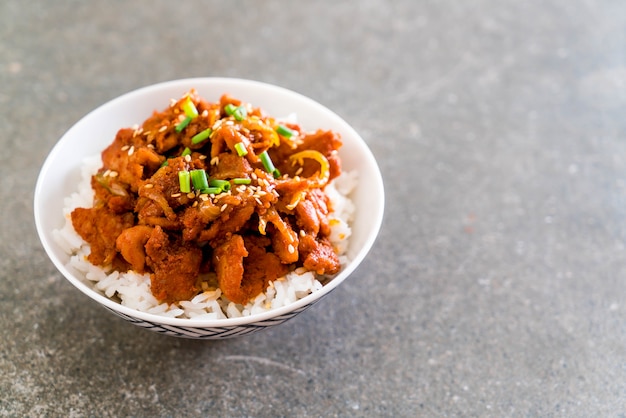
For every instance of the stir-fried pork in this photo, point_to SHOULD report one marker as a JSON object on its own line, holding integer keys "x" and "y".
{"x": 241, "y": 218}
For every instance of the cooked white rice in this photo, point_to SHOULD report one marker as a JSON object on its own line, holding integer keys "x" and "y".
{"x": 133, "y": 290}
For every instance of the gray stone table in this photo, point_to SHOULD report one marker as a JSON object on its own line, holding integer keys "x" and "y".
{"x": 497, "y": 284}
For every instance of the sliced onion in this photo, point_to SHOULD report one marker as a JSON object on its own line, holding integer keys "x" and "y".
{"x": 324, "y": 174}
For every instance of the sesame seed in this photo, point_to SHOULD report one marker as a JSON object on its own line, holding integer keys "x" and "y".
{"x": 195, "y": 203}
{"x": 258, "y": 201}
{"x": 254, "y": 176}
{"x": 125, "y": 147}
{"x": 223, "y": 208}
{"x": 163, "y": 128}
{"x": 172, "y": 102}
{"x": 202, "y": 157}
{"x": 188, "y": 158}
{"x": 148, "y": 186}
{"x": 175, "y": 195}
{"x": 204, "y": 197}
{"x": 241, "y": 188}
{"x": 151, "y": 146}
{"x": 299, "y": 171}
{"x": 291, "y": 249}
{"x": 146, "y": 133}
{"x": 191, "y": 195}
{"x": 205, "y": 113}
{"x": 261, "y": 193}
{"x": 302, "y": 233}
{"x": 131, "y": 151}
{"x": 106, "y": 173}
{"x": 215, "y": 160}
{"x": 113, "y": 174}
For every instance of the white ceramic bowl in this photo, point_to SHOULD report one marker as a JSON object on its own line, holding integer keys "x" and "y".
{"x": 60, "y": 174}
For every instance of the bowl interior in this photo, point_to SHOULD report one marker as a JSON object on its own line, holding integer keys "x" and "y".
{"x": 60, "y": 173}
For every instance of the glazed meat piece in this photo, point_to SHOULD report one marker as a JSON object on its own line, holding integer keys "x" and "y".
{"x": 230, "y": 166}
{"x": 235, "y": 212}
{"x": 131, "y": 245}
{"x": 318, "y": 255}
{"x": 112, "y": 193}
{"x": 245, "y": 267}
{"x": 225, "y": 138}
{"x": 100, "y": 227}
{"x": 161, "y": 195}
{"x": 261, "y": 265}
{"x": 283, "y": 237}
{"x": 228, "y": 262}
{"x": 196, "y": 218}
{"x": 312, "y": 213}
{"x": 130, "y": 160}
{"x": 176, "y": 266}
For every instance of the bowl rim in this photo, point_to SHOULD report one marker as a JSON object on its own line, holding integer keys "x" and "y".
{"x": 375, "y": 213}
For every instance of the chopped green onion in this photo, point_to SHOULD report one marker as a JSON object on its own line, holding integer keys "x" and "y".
{"x": 185, "y": 152}
{"x": 268, "y": 165}
{"x": 189, "y": 108}
{"x": 196, "y": 139}
{"x": 267, "y": 162}
{"x": 224, "y": 185}
{"x": 238, "y": 112}
{"x": 230, "y": 109}
{"x": 199, "y": 179}
{"x": 211, "y": 190}
{"x": 282, "y": 130}
{"x": 183, "y": 124}
{"x": 164, "y": 163}
{"x": 242, "y": 181}
{"x": 241, "y": 149}
{"x": 183, "y": 180}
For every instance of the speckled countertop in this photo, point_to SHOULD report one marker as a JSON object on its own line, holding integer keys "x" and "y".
{"x": 496, "y": 287}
